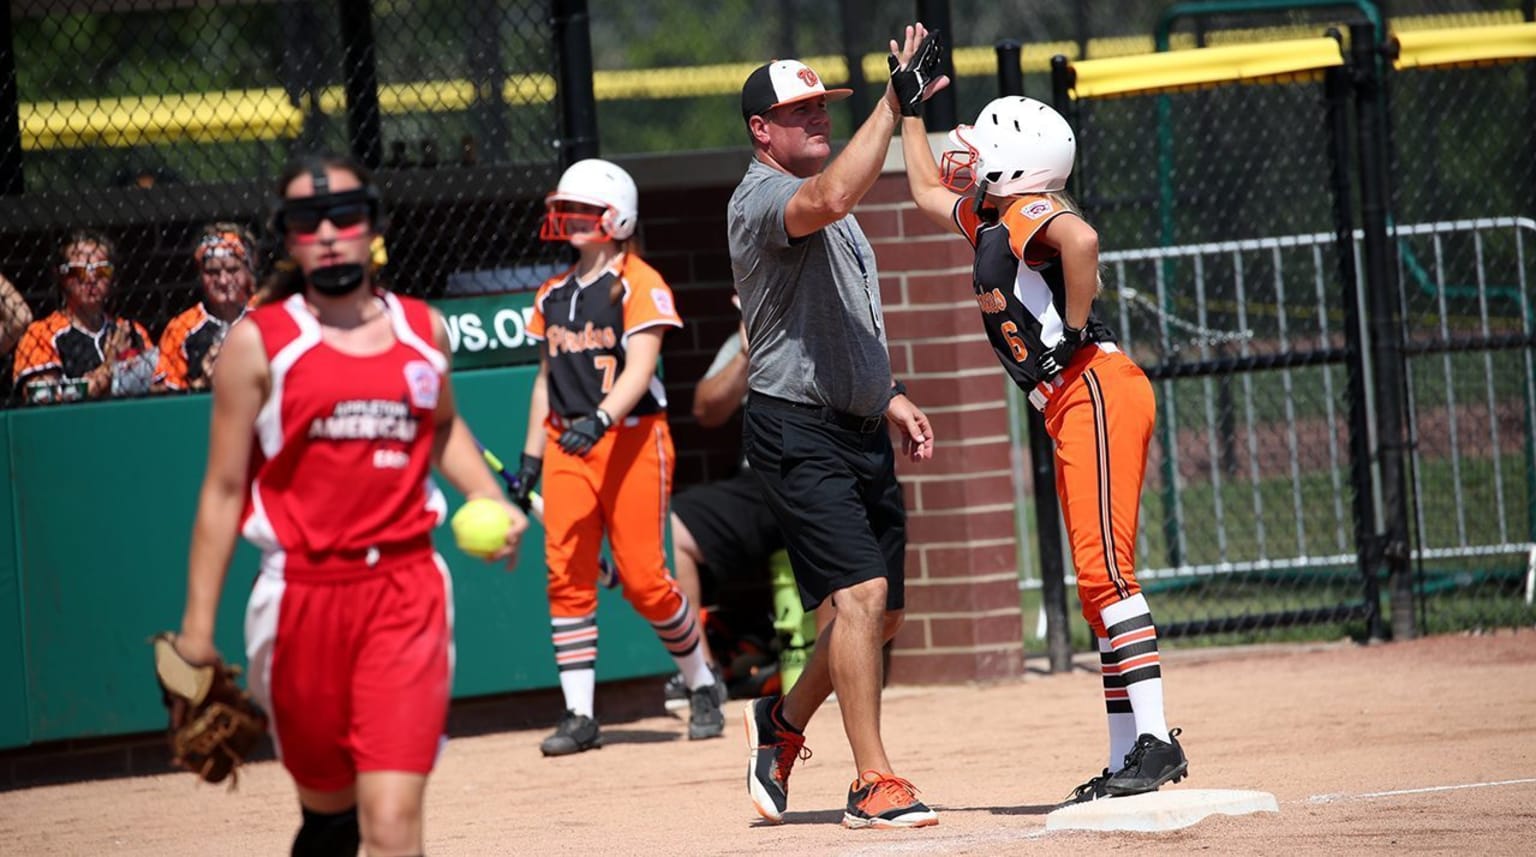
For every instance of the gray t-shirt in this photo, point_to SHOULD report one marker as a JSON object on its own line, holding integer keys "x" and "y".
{"x": 812, "y": 305}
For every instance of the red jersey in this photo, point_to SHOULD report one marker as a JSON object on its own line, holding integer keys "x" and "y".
{"x": 342, "y": 467}
{"x": 584, "y": 333}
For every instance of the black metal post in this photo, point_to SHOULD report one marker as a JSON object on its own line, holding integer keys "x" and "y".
{"x": 488, "y": 70}
{"x": 1528, "y": 10}
{"x": 1080, "y": 23}
{"x": 789, "y": 16}
{"x": 1384, "y": 323}
{"x": 11, "y": 179}
{"x": 1336, "y": 93}
{"x": 854, "y": 15}
{"x": 1053, "y": 572}
{"x": 360, "y": 65}
{"x": 578, "y": 101}
{"x": 1042, "y": 457}
{"x": 1010, "y": 67}
{"x": 939, "y": 111}
{"x": 1062, "y": 80}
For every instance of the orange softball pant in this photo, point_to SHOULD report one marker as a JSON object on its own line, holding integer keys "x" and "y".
{"x": 621, "y": 486}
{"x": 1101, "y": 418}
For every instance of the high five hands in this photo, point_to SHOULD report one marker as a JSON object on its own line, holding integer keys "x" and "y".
{"x": 915, "y": 67}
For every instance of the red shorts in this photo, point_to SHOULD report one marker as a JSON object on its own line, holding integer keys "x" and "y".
{"x": 355, "y": 673}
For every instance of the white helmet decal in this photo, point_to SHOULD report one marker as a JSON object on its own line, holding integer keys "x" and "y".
{"x": 1020, "y": 145}
{"x": 595, "y": 181}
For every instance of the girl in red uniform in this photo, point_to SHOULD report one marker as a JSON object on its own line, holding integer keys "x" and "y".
{"x": 1035, "y": 278}
{"x": 331, "y": 405}
{"x": 597, "y": 432}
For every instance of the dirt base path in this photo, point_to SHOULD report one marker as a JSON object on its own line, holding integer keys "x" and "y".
{"x": 1426, "y": 746}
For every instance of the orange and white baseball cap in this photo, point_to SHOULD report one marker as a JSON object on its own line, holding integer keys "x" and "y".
{"x": 783, "y": 82}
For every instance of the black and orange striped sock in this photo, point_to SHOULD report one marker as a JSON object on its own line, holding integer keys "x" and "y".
{"x": 575, "y": 640}
{"x": 680, "y": 635}
{"x": 1133, "y": 643}
{"x": 1117, "y": 707}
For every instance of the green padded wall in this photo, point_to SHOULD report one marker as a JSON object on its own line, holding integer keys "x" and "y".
{"x": 13, "y": 666}
{"x": 94, "y": 562}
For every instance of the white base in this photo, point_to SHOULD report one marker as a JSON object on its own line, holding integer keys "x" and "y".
{"x": 1167, "y": 810}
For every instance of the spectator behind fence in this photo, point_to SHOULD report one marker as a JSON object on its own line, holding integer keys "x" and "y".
{"x": 226, "y": 263}
{"x": 15, "y": 315}
{"x": 83, "y": 351}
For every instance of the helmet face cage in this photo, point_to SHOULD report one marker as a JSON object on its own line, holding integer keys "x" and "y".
{"x": 957, "y": 170}
{"x": 1020, "y": 145}
{"x": 598, "y": 183}
{"x": 562, "y": 224}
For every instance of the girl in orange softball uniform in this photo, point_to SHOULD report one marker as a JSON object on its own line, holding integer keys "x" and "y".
{"x": 1035, "y": 279}
{"x": 597, "y": 433}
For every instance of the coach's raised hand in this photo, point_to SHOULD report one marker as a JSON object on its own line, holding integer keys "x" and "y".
{"x": 915, "y": 68}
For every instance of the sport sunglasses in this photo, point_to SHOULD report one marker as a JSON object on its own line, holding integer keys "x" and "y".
{"x": 345, "y": 210}
{"x": 83, "y": 270}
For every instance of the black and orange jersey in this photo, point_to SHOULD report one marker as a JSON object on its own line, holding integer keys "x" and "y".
{"x": 584, "y": 333}
{"x": 1022, "y": 305}
{"x": 185, "y": 343}
{"x": 54, "y": 343}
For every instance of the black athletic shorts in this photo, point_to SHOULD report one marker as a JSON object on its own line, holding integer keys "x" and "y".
{"x": 731, "y": 523}
{"x": 830, "y": 479}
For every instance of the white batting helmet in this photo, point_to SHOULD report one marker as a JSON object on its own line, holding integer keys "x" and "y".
{"x": 1018, "y": 145}
{"x": 593, "y": 181}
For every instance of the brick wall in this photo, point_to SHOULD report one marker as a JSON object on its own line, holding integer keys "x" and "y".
{"x": 963, "y": 616}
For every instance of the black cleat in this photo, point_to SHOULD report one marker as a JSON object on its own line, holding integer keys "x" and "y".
{"x": 675, "y": 693}
{"x": 575, "y": 734}
{"x": 1089, "y": 791}
{"x": 1149, "y": 764}
{"x": 705, "y": 718}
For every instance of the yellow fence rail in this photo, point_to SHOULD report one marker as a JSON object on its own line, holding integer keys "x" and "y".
{"x": 1119, "y": 66}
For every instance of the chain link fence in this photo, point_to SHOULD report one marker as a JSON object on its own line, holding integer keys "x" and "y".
{"x": 1465, "y": 199}
{"x": 145, "y": 122}
{"x": 1218, "y": 211}
{"x": 1268, "y": 503}
{"x": 1221, "y": 279}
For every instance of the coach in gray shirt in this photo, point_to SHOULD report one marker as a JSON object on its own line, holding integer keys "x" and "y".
{"x": 819, "y": 402}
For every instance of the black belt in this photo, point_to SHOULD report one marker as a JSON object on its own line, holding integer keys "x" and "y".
{"x": 862, "y": 425}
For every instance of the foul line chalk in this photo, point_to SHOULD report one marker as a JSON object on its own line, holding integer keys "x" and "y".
{"x": 1426, "y": 790}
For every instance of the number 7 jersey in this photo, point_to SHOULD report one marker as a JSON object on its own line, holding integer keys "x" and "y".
{"x": 584, "y": 333}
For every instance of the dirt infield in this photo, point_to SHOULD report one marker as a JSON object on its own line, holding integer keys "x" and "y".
{"x": 1423, "y": 747}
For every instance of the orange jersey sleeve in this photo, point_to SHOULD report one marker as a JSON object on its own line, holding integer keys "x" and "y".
{"x": 173, "y": 356}
{"x": 1025, "y": 217}
{"x": 647, "y": 297}
{"x": 36, "y": 351}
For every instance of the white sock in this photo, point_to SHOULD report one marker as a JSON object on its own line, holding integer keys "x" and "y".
{"x": 695, "y": 669}
{"x": 579, "y": 687}
{"x": 680, "y": 634}
{"x": 1133, "y": 638}
{"x": 575, "y": 642}
{"x": 1117, "y": 707}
